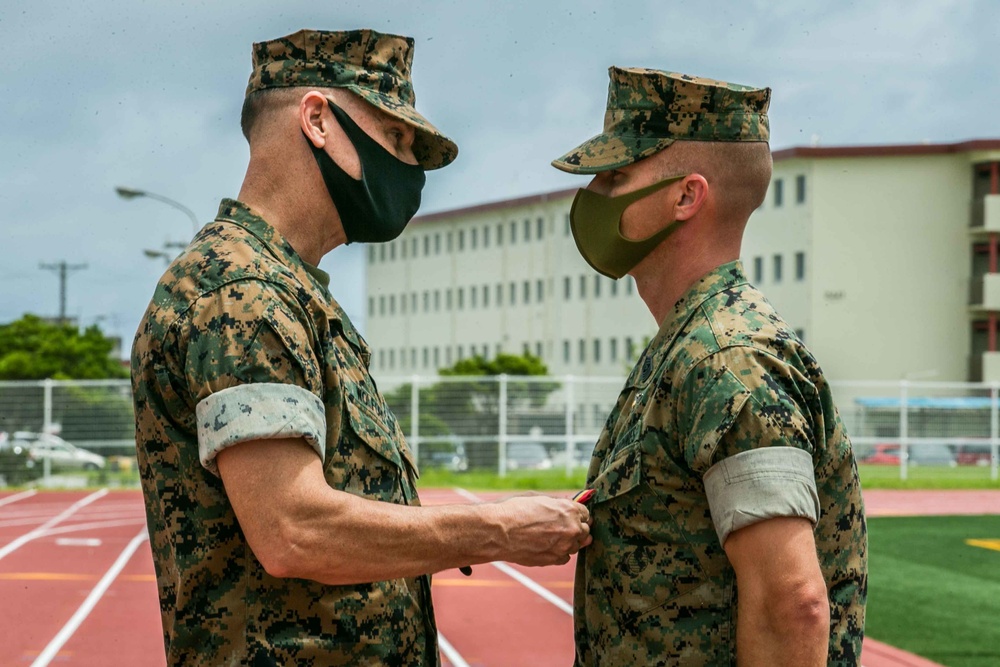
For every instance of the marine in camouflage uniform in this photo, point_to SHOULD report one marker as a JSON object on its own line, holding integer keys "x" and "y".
{"x": 725, "y": 421}
{"x": 244, "y": 341}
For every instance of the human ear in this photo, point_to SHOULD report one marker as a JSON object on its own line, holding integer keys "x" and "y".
{"x": 311, "y": 118}
{"x": 693, "y": 194}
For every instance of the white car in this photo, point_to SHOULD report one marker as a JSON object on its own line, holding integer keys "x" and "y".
{"x": 62, "y": 454}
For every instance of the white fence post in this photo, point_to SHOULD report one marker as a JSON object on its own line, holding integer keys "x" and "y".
{"x": 570, "y": 442}
{"x": 47, "y": 425}
{"x": 904, "y": 429}
{"x": 994, "y": 429}
{"x": 415, "y": 418}
{"x": 502, "y": 426}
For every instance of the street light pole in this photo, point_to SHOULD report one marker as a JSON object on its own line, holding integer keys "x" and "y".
{"x": 132, "y": 193}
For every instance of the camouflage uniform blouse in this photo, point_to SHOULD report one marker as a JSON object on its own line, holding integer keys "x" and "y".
{"x": 725, "y": 420}
{"x": 243, "y": 341}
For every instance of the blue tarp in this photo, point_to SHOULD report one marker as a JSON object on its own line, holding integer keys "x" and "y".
{"x": 945, "y": 403}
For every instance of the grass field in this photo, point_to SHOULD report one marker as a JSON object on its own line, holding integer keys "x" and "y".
{"x": 933, "y": 594}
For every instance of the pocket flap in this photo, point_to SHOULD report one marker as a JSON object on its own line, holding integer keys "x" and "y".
{"x": 378, "y": 429}
{"x": 622, "y": 474}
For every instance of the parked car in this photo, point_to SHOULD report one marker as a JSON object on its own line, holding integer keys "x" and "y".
{"x": 16, "y": 466}
{"x": 918, "y": 454}
{"x": 527, "y": 456}
{"x": 448, "y": 453}
{"x": 61, "y": 454}
{"x": 973, "y": 455}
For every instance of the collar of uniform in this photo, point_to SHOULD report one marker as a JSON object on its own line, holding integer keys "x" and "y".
{"x": 231, "y": 210}
{"x": 717, "y": 280}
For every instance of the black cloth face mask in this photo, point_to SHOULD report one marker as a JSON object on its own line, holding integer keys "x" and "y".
{"x": 376, "y": 208}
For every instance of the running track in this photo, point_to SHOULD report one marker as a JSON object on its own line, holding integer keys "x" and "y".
{"x": 77, "y": 587}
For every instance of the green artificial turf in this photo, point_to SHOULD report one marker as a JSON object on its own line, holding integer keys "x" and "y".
{"x": 932, "y": 594}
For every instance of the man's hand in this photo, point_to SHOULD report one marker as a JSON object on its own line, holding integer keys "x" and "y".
{"x": 542, "y": 530}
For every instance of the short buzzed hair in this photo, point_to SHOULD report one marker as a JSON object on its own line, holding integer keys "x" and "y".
{"x": 259, "y": 104}
{"x": 739, "y": 172}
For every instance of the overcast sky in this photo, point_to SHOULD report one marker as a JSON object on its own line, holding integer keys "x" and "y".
{"x": 147, "y": 94}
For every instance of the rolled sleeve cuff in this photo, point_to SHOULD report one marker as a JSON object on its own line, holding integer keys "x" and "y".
{"x": 258, "y": 412}
{"x": 761, "y": 484}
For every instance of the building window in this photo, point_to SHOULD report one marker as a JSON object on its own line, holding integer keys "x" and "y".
{"x": 513, "y": 294}
{"x": 392, "y": 304}
{"x": 778, "y": 192}
{"x": 527, "y": 230}
{"x": 392, "y": 358}
{"x": 413, "y": 357}
{"x": 459, "y": 352}
{"x": 447, "y": 299}
{"x": 427, "y": 357}
{"x": 392, "y": 251}
{"x": 437, "y": 357}
{"x": 447, "y": 356}
{"x": 381, "y": 358}
{"x": 758, "y": 270}
{"x": 565, "y": 351}
{"x": 499, "y": 295}
{"x": 539, "y": 232}
{"x": 413, "y": 302}
{"x": 526, "y": 292}
{"x": 427, "y": 301}
{"x": 629, "y": 285}
{"x": 613, "y": 349}
{"x": 461, "y": 298}
{"x": 568, "y": 230}
{"x": 371, "y": 306}
{"x": 777, "y": 268}
{"x": 437, "y": 299}
{"x": 800, "y": 266}
{"x": 597, "y": 286}
{"x": 583, "y": 287}
{"x": 597, "y": 350}
{"x": 461, "y": 240}
{"x": 474, "y": 234}
{"x": 403, "y": 248}
{"x": 402, "y": 303}
{"x": 567, "y": 287}
{"x": 427, "y": 245}
{"x": 629, "y": 349}
{"x": 538, "y": 349}
{"x": 539, "y": 292}
{"x": 413, "y": 248}
{"x": 582, "y": 350}
{"x": 486, "y": 237}
{"x": 614, "y": 288}
{"x": 500, "y": 234}
{"x": 371, "y": 254}
{"x": 486, "y": 296}
{"x": 801, "y": 334}
{"x": 513, "y": 232}
{"x": 800, "y": 189}
{"x": 381, "y": 253}
{"x": 450, "y": 241}
{"x": 437, "y": 244}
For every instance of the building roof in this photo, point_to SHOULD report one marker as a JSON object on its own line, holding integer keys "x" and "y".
{"x": 890, "y": 150}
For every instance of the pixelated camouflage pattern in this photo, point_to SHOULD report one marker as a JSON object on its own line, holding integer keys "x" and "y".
{"x": 648, "y": 110}
{"x": 724, "y": 375}
{"x": 371, "y": 64}
{"x": 239, "y": 306}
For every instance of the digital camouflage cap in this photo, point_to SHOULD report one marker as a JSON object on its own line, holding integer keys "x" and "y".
{"x": 373, "y": 65}
{"x": 649, "y": 109}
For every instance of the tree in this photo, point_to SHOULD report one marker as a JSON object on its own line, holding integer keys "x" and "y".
{"x": 34, "y": 349}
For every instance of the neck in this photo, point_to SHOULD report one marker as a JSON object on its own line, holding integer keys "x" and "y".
{"x": 294, "y": 200}
{"x": 679, "y": 262}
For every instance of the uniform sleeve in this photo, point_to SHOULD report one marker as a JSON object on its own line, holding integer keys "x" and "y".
{"x": 747, "y": 429}
{"x": 252, "y": 370}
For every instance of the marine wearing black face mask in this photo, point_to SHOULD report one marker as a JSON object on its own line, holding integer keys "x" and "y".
{"x": 376, "y": 208}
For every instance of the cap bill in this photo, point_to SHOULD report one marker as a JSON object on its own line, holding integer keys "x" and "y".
{"x": 609, "y": 151}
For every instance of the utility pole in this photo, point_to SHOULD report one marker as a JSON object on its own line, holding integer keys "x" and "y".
{"x": 63, "y": 269}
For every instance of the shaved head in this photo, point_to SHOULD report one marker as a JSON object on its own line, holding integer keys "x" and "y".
{"x": 737, "y": 172}
{"x": 261, "y": 107}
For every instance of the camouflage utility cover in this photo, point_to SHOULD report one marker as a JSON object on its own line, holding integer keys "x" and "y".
{"x": 723, "y": 376}
{"x": 371, "y": 64}
{"x": 648, "y": 110}
{"x": 240, "y": 312}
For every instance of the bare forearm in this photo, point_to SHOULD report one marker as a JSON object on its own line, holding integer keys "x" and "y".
{"x": 780, "y": 635}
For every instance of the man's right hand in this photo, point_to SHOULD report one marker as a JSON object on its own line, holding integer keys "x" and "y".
{"x": 543, "y": 531}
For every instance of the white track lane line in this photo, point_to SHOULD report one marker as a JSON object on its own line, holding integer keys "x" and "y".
{"x": 76, "y": 527}
{"x": 519, "y": 576}
{"x": 41, "y": 530}
{"x": 454, "y": 657}
{"x": 46, "y": 656}
{"x": 17, "y": 496}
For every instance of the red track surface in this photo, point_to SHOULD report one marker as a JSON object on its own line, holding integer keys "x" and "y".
{"x": 490, "y": 619}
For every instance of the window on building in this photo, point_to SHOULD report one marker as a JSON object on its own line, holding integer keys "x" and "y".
{"x": 513, "y": 294}
{"x": 371, "y": 306}
{"x": 486, "y": 296}
{"x": 758, "y": 270}
{"x": 459, "y": 352}
{"x": 437, "y": 300}
{"x": 613, "y": 349}
{"x": 538, "y": 349}
{"x": 777, "y": 268}
{"x": 500, "y": 234}
{"x": 447, "y": 299}
{"x": 526, "y": 292}
{"x": 381, "y": 358}
{"x": 461, "y": 240}
{"x": 402, "y": 248}
{"x": 597, "y": 350}
{"x": 486, "y": 237}
{"x": 801, "y": 334}
{"x": 426, "y": 357}
{"x": 427, "y": 245}
{"x": 461, "y": 298}
{"x": 583, "y": 287}
{"x": 567, "y": 288}
{"x": 472, "y": 296}
{"x": 568, "y": 230}
{"x": 800, "y": 189}
{"x": 800, "y": 266}
{"x": 437, "y": 358}
{"x": 451, "y": 238}
{"x": 437, "y": 244}
{"x": 539, "y": 231}
{"x": 392, "y": 304}
{"x": 539, "y": 292}
{"x": 371, "y": 254}
{"x": 527, "y": 230}
{"x": 497, "y": 349}
{"x": 597, "y": 286}
{"x": 392, "y": 358}
{"x": 474, "y": 237}
{"x": 413, "y": 357}
{"x": 499, "y": 295}
{"x": 413, "y": 302}
{"x": 565, "y": 351}
{"x": 778, "y": 192}
{"x": 614, "y": 288}
{"x": 381, "y": 305}
{"x": 413, "y": 247}
{"x": 402, "y": 303}
{"x": 629, "y": 349}
{"x": 381, "y": 253}
{"x": 513, "y": 232}
{"x": 392, "y": 251}
{"x": 629, "y": 285}
{"x": 447, "y": 356}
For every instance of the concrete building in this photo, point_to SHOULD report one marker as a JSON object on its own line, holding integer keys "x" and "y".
{"x": 883, "y": 258}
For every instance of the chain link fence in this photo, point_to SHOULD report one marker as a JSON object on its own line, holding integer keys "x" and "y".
{"x": 81, "y": 433}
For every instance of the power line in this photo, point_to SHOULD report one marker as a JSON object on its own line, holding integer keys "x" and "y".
{"x": 63, "y": 269}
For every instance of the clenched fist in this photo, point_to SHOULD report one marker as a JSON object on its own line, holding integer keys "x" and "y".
{"x": 542, "y": 531}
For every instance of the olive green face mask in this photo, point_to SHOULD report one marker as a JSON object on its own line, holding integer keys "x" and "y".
{"x": 596, "y": 224}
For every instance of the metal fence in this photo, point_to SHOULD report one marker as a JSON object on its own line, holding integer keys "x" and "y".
{"x": 504, "y": 424}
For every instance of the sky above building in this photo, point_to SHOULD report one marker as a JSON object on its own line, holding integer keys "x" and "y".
{"x": 147, "y": 95}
